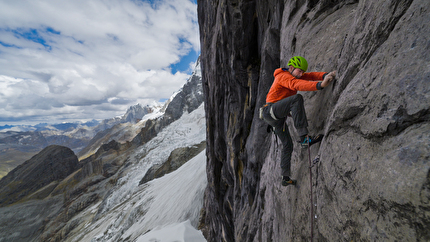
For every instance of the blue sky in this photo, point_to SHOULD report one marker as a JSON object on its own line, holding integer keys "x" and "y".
{"x": 184, "y": 64}
{"x": 62, "y": 61}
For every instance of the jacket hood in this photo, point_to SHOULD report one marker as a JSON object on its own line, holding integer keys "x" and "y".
{"x": 280, "y": 70}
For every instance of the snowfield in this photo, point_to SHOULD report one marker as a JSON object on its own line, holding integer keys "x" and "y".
{"x": 182, "y": 232}
{"x": 177, "y": 198}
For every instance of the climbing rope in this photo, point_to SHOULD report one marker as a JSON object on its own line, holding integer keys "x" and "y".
{"x": 311, "y": 164}
{"x": 312, "y": 203}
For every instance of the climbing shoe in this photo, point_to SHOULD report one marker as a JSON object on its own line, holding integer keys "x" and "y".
{"x": 309, "y": 140}
{"x": 287, "y": 181}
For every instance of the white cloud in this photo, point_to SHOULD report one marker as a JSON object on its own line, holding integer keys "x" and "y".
{"x": 62, "y": 59}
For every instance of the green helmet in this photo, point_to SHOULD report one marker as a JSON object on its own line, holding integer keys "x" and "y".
{"x": 298, "y": 62}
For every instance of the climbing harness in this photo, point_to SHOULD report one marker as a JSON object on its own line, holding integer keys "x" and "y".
{"x": 272, "y": 114}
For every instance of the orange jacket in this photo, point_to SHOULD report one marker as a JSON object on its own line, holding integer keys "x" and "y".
{"x": 286, "y": 85}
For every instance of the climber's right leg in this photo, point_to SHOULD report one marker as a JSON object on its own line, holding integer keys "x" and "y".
{"x": 295, "y": 105}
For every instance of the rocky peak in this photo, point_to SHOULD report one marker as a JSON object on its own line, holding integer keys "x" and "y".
{"x": 135, "y": 113}
{"x": 189, "y": 97}
{"x": 53, "y": 163}
{"x": 371, "y": 183}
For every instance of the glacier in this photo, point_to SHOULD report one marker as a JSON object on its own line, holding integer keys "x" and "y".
{"x": 131, "y": 212}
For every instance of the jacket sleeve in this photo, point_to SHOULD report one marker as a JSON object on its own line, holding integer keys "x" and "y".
{"x": 306, "y": 82}
{"x": 285, "y": 79}
{"x": 303, "y": 85}
{"x": 313, "y": 76}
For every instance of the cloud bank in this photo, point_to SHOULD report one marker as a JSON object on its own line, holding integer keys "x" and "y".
{"x": 79, "y": 60}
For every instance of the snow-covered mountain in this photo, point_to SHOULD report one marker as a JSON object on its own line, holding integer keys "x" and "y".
{"x": 130, "y": 210}
{"x": 109, "y": 197}
{"x": 124, "y": 129}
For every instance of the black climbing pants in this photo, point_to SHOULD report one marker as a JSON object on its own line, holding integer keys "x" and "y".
{"x": 276, "y": 114}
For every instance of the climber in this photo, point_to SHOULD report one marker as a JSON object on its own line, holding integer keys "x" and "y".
{"x": 283, "y": 99}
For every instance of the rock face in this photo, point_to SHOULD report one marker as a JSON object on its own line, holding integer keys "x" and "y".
{"x": 373, "y": 179}
{"x": 23, "y": 222}
{"x": 53, "y": 163}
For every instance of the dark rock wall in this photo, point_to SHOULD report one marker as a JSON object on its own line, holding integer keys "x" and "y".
{"x": 372, "y": 181}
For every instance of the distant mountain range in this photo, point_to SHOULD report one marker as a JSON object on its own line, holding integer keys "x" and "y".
{"x": 46, "y": 126}
{"x": 19, "y": 143}
{"x": 133, "y": 115}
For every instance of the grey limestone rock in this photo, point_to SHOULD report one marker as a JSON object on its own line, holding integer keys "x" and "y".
{"x": 372, "y": 181}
